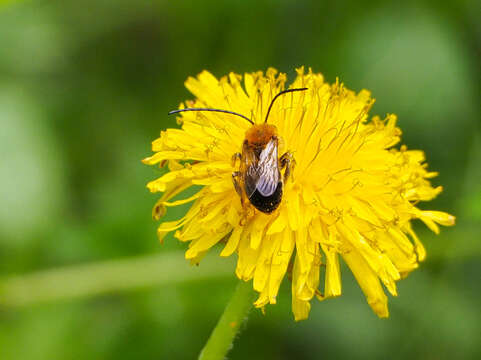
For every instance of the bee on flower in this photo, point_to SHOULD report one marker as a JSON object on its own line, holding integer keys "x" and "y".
{"x": 295, "y": 180}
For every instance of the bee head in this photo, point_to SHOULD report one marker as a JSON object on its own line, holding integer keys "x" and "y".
{"x": 259, "y": 135}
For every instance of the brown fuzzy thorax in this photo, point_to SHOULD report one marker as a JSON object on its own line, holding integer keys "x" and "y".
{"x": 259, "y": 135}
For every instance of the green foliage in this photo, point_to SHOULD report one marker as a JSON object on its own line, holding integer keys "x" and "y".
{"x": 85, "y": 87}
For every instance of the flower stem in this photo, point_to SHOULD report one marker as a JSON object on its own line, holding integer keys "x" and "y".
{"x": 236, "y": 311}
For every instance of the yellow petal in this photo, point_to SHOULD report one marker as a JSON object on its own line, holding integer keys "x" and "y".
{"x": 247, "y": 256}
{"x": 164, "y": 155}
{"x": 232, "y": 243}
{"x": 263, "y": 267}
{"x": 183, "y": 201}
{"x": 300, "y": 308}
{"x": 420, "y": 250}
{"x": 204, "y": 243}
{"x": 439, "y": 217}
{"x": 332, "y": 286}
{"x": 258, "y": 230}
{"x": 293, "y": 212}
{"x": 279, "y": 223}
{"x": 280, "y": 262}
{"x": 369, "y": 283}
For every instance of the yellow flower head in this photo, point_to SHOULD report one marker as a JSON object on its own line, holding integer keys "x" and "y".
{"x": 349, "y": 195}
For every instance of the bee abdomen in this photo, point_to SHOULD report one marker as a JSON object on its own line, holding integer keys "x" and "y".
{"x": 267, "y": 204}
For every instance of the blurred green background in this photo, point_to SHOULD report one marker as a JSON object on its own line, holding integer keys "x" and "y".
{"x": 85, "y": 87}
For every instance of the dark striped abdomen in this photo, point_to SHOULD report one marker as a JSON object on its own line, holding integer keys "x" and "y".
{"x": 267, "y": 204}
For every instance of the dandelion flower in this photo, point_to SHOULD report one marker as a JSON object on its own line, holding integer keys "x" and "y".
{"x": 352, "y": 195}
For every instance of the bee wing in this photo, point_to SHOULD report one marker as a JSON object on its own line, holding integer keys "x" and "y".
{"x": 263, "y": 174}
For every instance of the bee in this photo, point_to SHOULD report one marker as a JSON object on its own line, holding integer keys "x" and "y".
{"x": 259, "y": 179}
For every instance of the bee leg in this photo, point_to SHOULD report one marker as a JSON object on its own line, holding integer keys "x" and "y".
{"x": 236, "y": 176}
{"x": 287, "y": 161}
{"x": 235, "y": 157}
{"x": 237, "y": 187}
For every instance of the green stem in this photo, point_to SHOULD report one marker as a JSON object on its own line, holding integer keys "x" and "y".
{"x": 236, "y": 311}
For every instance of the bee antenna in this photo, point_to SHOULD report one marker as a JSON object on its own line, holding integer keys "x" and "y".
{"x": 214, "y": 110}
{"x": 275, "y": 97}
